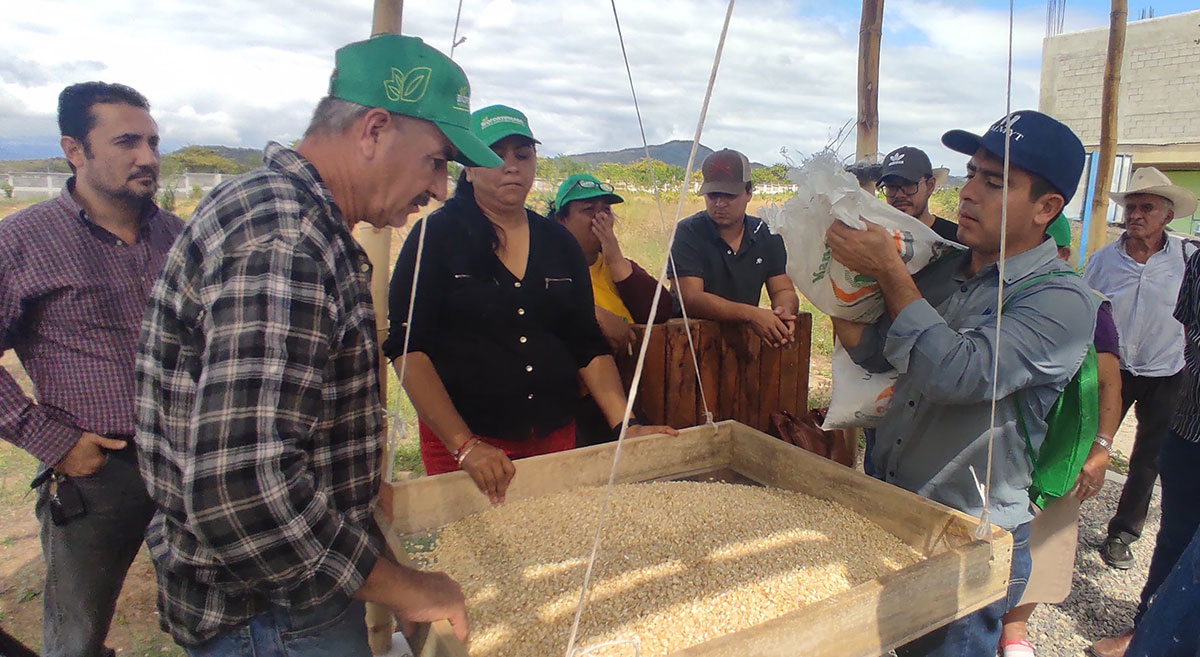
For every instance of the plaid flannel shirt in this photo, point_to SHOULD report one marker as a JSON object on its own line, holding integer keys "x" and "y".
{"x": 259, "y": 421}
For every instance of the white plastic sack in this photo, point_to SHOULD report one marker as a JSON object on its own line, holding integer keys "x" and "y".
{"x": 825, "y": 193}
{"x": 859, "y": 398}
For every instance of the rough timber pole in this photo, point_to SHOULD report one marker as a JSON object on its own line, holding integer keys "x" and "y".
{"x": 1098, "y": 232}
{"x": 377, "y": 242}
{"x": 869, "y": 32}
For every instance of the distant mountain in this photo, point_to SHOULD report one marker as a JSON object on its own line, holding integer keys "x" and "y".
{"x": 247, "y": 158}
{"x": 29, "y": 148}
{"x": 673, "y": 152}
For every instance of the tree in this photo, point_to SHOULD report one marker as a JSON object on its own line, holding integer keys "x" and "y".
{"x": 198, "y": 159}
{"x": 776, "y": 174}
{"x": 559, "y": 167}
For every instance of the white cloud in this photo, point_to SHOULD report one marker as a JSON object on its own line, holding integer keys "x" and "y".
{"x": 240, "y": 73}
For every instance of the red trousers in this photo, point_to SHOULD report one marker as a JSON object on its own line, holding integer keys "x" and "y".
{"x": 438, "y": 459}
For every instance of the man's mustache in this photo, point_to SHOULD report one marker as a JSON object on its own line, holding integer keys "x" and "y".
{"x": 143, "y": 172}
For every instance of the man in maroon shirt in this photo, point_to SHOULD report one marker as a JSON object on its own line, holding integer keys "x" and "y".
{"x": 75, "y": 273}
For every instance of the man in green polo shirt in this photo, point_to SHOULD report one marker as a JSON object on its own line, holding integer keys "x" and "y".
{"x": 259, "y": 421}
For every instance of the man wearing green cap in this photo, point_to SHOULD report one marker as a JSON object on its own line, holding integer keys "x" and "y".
{"x": 259, "y": 421}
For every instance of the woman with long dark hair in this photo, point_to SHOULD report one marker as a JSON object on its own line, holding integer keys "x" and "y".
{"x": 503, "y": 325}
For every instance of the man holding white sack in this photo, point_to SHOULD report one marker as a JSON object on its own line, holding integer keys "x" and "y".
{"x": 939, "y": 333}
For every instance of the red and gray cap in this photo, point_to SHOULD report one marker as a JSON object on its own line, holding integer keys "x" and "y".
{"x": 725, "y": 171}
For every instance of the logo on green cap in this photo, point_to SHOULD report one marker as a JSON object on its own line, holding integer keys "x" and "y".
{"x": 407, "y": 87}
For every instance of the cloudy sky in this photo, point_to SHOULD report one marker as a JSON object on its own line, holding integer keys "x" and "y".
{"x": 240, "y": 73}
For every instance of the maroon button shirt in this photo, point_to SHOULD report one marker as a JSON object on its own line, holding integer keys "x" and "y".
{"x": 72, "y": 296}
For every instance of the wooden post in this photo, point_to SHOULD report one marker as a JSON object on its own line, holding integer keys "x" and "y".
{"x": 869, "y": 32}
{"x": 1098, "y": 232}
{"x": 377, "y": 242}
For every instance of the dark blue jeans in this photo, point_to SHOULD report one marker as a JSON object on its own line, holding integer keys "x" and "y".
{"x": 1169, "y": 627}
{"x": 87, "y": 558}
{"x": 335, "y": 628}
{"x": 1179, "y": 472}
{"x": 978, "y": 633}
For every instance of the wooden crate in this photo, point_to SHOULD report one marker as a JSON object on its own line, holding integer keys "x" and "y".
{"x": 744, "y": 378}
{"x": 958, "y": 575}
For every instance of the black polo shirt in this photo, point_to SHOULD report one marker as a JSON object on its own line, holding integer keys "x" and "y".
{"x": 945, "y": 229}
{"x": 507, "y": 350}
{"x": 735, "y": 275}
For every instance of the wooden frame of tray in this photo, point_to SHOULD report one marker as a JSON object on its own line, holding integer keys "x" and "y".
{"x": 959, "y": 574}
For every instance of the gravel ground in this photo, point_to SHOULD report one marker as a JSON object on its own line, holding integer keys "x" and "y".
{"x": 1102, "y": 600}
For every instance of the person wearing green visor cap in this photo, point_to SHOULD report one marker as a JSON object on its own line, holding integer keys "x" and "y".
{"x": 259, "y": 418}
{"x": 623, "y": 291}
{"x": 1054, "y": 533}
{"x": 503, "y": 327}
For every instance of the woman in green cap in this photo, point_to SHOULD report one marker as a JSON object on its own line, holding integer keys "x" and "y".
{"x": 622, "y": 290}
{"x": 503, "y": 326}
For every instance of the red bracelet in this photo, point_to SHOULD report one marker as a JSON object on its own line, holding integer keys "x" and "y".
{"x": 461, "y": 453}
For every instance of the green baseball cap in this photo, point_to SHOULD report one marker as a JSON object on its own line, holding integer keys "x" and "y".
{"x": 580, "y": 186}
{"x": 1060, "y": 230}
{"x": 495, "y": 122}
{"x": 404, "y": 76}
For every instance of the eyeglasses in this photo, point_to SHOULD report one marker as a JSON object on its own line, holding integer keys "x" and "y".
{"x": 585, "y": 183}
{"x": 891, "y": 189}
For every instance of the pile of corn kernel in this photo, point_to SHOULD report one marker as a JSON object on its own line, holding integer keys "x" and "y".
{"x": 680, "y": 563}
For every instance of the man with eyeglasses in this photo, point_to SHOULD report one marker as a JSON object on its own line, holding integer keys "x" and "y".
{"x": 907, "y": 181}
{"x": 722, "y": 257}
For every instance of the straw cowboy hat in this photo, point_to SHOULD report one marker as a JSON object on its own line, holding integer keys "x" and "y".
{"x": 1148, "y": 180}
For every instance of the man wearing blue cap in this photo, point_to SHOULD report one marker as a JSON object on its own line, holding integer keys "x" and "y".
{"x": 940, "y": 334}
{"x": 259, "y": 422}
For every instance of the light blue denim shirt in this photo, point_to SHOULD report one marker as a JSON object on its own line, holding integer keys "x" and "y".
{"x": 943, "y": 347}
{"x": 1143, "y": 297}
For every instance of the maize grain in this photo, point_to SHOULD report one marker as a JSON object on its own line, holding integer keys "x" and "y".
{"x": 681, "y": 563}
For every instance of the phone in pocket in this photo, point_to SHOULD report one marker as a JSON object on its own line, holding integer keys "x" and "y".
{"x": 66, "y": 501}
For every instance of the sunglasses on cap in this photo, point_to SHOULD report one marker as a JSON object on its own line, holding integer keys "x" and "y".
{"x": 584, "y": 183}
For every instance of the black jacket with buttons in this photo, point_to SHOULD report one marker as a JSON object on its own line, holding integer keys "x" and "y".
{"x": 507, "y": 350}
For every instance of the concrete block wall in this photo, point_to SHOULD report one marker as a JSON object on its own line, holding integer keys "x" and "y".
{"x": 1160, "y": 81}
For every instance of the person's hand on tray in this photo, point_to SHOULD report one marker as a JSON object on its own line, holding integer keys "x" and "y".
{"x": 636, "y": 430}
{"x": 491, "y": 469}
{"x": 432, "y": 596}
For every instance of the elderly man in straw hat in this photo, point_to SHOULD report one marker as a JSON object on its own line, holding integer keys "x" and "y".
{"x": 1166, "y": 613}
{"x": 259, "y": 421}
{"x": 1141, "y": 273}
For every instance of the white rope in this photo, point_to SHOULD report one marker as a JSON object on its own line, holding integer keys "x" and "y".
{"x": 637, "y": 375}
{"x": 984, "y": 528}
{"x": 454, "y": 39}
{"x": 412, "y": 304}
{"x": 708, "y": 414}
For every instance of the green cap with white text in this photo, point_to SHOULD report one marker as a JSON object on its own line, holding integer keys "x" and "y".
{"x": 495, "y": 122}
{"x": 403, "y": 75}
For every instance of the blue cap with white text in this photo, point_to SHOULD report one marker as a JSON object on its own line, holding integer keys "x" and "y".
{"x": 1040, "y": 144}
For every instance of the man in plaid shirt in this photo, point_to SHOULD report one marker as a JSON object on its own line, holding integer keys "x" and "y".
{"x": 259, "y": 421}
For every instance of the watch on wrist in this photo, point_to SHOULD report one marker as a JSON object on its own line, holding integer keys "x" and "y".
{"x": 1104, "y": 441}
